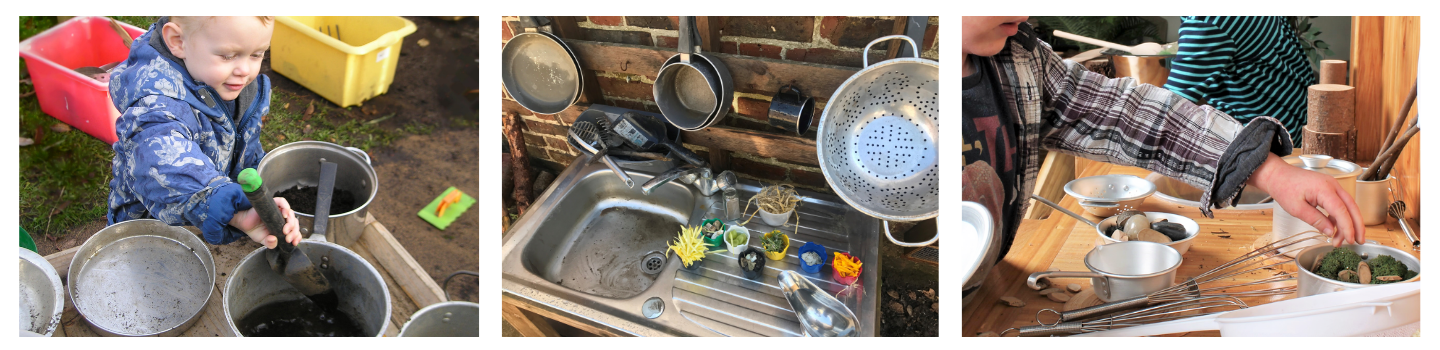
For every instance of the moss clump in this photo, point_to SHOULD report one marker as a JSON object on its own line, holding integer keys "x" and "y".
{"x": 1386, "y": 265}
{"x": 1338, "y": 260}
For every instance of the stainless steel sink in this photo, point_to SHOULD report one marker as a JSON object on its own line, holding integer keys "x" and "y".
{"x": 582, "y": 251}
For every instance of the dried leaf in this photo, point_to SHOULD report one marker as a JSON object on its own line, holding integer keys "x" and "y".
{"x": 310, "y": 109}
{"x": 423, "y": 42}
{"x": 60, "y": 127}
{"x": 1059, "y": 297}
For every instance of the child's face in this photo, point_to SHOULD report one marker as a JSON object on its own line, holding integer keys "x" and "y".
{"x": 985, "y": 35}
{"x": 225, "y": 53}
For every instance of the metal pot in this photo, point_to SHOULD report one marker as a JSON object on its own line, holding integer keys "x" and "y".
{"x": 447, "y": 319}
{"x": 141, "y": 278}
{"x": 361, "y": 290}
{"x": 1122, "y": 270}
{"x": 42, "y": 298}
{"x": 298, "y": 163}
{"x": 1192, "y": 229}
{"x": 1312, "y": 284}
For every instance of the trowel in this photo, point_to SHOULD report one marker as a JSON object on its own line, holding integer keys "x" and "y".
{"x": 293, "y": 265}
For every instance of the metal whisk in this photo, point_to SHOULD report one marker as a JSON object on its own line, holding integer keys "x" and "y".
{"x": 1160, "y": 313}
{"x": 1397, "y": 210}
{"x": 1216, "y": 282}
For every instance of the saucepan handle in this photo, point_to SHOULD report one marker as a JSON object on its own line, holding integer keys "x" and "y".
{"x": 1040, "y": 280}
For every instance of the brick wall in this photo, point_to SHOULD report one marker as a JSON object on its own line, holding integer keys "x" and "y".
{"x": 820, "y": 39}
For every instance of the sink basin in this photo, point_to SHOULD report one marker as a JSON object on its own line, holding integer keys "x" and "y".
{"x": 587, "y": 251}
{"x": 599, "y": 245}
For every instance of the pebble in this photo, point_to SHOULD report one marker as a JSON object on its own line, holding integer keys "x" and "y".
{"x": 26, "y": 141}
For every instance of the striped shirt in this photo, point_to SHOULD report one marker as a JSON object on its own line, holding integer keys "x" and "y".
{"x": 1244, "y": 66}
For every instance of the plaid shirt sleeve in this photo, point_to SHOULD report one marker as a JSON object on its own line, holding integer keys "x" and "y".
{"x": 1121, "y": 121}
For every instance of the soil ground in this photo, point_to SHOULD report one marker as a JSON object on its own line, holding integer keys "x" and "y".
{"x": 430, "y": 143}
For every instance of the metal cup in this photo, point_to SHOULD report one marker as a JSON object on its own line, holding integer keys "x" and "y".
{"x": 791, "y": 111}
{"x": 1122, "y": 270}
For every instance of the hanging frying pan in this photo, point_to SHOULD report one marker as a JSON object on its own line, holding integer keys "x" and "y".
{"x": 539, "y": 71}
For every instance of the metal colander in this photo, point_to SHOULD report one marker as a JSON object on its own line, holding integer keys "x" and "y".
{"x": 878, "y": 140}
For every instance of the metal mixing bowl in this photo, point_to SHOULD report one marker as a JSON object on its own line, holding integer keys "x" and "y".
{"x": 1107, "y": 195}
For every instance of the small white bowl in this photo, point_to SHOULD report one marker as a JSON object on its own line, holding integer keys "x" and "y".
{"x": 734, "y": 249}
{"x": 1192, "y": 229}
{"x": 775, "y": 219}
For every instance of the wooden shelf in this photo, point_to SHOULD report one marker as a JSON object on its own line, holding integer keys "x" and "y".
{"x": 751, "y": 74}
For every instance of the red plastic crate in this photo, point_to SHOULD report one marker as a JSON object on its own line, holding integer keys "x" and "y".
{"x": 52, "y": 56}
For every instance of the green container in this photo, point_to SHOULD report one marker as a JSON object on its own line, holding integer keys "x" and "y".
{"x": 26, "y": 242}
{"x": 719, "y": 241}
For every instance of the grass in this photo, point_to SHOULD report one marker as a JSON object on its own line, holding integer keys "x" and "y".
{"x": 65, "y": 177}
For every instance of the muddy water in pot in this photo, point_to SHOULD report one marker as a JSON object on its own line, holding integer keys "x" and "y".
{"x": 300, "y": 318}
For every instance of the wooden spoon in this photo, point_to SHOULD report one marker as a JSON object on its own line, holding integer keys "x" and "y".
{"x": 1139, "y": 50}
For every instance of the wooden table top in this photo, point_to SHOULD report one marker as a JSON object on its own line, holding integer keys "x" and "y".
{"x": 1061, "y": 242}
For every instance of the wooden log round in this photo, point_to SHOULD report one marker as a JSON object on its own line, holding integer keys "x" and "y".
{"x": 1340, "y": 145}
{"x": 1331, "y": 108}
{"x": 1334, "y": 72}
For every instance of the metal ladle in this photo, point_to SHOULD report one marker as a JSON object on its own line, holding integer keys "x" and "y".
{"x": 820, "y": 314}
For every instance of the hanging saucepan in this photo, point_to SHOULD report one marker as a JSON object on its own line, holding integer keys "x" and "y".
{"x": 727, "y": 87}
{"x": 689, "y": 90}
{"x": 539, "y": 71}
{"x": 879, "y": 139}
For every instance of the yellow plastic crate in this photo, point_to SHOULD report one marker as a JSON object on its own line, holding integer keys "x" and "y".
{"x": 344, "y": 59}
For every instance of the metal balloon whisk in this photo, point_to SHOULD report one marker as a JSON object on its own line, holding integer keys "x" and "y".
{"x": 1215, "y": 282}
{"x": 1159, "y": 313}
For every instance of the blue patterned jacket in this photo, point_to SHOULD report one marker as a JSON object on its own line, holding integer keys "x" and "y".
{"x": 179, "y": 150}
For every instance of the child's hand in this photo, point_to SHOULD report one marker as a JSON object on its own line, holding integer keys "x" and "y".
{"x": 249, "y": 221}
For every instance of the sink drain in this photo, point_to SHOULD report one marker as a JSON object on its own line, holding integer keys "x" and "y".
{"x": 652, "y": 263}
{"x": 652, "y": 307}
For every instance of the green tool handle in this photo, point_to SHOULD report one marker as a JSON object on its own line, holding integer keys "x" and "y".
{"x": 265, "y": 206}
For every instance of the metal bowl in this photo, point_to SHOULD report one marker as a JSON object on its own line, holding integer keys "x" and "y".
{"x": 1107, "y": 195}
{"x": 141, "y": 278}
{"x": 42, "y": 299}
{"x": 1192, "y": 229}
{"x": 447, "y": 319}
{"x": 1175, "y": 192}
{"x": 1311, "y": 284}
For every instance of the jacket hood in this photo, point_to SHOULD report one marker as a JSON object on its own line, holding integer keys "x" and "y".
{"x": 151, "y": 69}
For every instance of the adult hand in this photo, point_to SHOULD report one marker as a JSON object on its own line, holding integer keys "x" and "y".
{"x": 249, "y": 222}
{"x": 1299, "y": 191}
